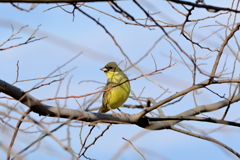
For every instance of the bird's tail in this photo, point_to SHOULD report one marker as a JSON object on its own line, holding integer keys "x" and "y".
{"x": 103, "y": 110}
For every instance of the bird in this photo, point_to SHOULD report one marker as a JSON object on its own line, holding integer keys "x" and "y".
{"x": 115, "y": 97}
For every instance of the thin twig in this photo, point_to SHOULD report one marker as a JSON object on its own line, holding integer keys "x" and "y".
{"x": 134, "y": 148}
{"x": 206, "y": 138}
{"x": 15, "y": 134}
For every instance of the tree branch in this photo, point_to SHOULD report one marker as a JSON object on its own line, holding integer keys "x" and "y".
{"x": 52, "y": 1}
{"x": 206, "y": 138}
{"x": 148, "y": 123}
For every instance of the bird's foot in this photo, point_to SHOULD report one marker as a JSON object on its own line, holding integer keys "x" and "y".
{"x": 125, "y": 114}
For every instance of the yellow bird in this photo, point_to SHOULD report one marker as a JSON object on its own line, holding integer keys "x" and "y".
{"x": 116, "y": 96}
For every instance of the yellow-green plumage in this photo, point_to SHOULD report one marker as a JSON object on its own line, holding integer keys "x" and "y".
{"x": 114, "y": 97}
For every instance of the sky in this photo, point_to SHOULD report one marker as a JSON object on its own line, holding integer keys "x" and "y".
{"x": 67, "y": 36}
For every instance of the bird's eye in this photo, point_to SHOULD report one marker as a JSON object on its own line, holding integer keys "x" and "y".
{"x": 110, "y": 67}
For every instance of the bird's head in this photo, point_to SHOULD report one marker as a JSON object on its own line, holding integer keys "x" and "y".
{"x": 111, "y": 67}
{"x": 112, "y": 70}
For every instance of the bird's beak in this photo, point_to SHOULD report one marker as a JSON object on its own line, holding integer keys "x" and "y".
{"x": 104, "y": 69}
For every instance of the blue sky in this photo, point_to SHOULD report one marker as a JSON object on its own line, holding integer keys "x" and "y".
{"x": 66, "y": 38}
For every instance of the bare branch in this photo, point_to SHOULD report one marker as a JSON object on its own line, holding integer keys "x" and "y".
{"x": 208, "y": 139}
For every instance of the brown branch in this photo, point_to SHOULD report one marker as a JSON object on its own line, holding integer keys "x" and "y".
{"x": 40, "y": 78}
{"x": 85, "y": 141}
{"x": 29, "y": 40}
{"x": 111, "y": 87}
{"x": 119, "y": 19}
{"x": 179, "y": 47}
{"x": 95, "y": 139}
{"x": 45, "y": 84}
{"x": 231, "y": 34}
{"x": 33, "y": 6}
{"x": 230, "y": 102}
{"x": 39, "y": 139}
{"x": 46, "y": 110}
{"x": 188, "y": 90}
{"x": 208, "y": 7}
{"x": 15, "y": 134}
{"x": 206, "y": 138}
{"x": 52, "y": 1}
{"x": 134, "y": 148}
{"x": 194, "y": 118}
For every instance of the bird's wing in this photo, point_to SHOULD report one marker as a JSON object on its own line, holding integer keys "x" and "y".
{"x": 106, "y": 99}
